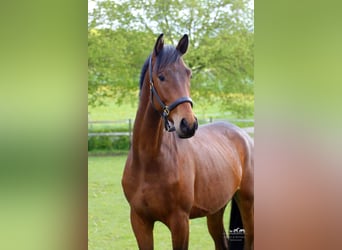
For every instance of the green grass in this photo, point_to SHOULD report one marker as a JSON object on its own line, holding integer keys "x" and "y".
{"x": 113, "y": 111}
{"x": 108, "y": 212}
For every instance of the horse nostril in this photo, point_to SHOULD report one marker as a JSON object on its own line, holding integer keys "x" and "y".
{"x": 184, "y": 126}
{"x": 186, "y": 129}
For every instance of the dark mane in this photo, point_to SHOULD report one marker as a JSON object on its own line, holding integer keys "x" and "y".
{"x": 143, "y": 72}
{"x": 167, "y": 55}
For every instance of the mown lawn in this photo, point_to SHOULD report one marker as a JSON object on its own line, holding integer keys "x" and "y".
{"x": 108, "y": 212}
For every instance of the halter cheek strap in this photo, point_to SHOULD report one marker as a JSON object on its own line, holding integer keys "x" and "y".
{"x": 165, "y": 108}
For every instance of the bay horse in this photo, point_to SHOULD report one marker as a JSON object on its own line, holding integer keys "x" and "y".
{"x": 175, "y": 170}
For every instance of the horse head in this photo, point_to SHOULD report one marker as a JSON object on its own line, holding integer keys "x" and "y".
{"x": 170, "y": 87}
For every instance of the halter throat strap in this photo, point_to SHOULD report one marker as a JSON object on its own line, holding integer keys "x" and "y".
{"x": 166, "y": 109}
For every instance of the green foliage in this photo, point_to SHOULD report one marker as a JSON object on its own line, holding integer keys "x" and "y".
{"x": 108, "y": 143}
{"x": 121, "y": 34}
{"x": 114, "y": 61}
{"x": 242, "y": 105}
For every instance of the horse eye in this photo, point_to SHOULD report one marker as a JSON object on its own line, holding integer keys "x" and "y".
{"x": 161, "y": 77}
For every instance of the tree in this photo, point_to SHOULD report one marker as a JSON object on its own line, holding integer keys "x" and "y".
{"x": 122, "y": 33}
{"x": 114, "y": 61}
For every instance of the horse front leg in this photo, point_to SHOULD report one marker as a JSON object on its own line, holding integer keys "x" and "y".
{"x": 179, "y": 226}
{"x": 143, "y": 231}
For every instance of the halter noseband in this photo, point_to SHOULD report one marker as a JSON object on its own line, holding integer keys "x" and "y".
{"x": 166, "y": 109}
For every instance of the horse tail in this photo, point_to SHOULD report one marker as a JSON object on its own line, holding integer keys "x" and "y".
{"x": 236, "y": 236}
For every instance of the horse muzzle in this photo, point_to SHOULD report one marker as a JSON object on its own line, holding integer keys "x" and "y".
{"x": 187, "y": 129}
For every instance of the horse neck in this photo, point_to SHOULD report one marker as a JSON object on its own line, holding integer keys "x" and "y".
{"x": 148, "y": 127}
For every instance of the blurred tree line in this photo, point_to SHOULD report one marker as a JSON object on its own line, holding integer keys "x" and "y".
{"x": 122, "y": 33}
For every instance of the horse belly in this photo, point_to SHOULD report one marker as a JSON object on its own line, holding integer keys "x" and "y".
{"x": 215, "y": 185}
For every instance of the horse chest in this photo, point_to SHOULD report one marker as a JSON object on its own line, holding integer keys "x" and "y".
{"x": 157, "y": 196}
{"x": 156, "y": 189}
{"x": 153, "y": 200}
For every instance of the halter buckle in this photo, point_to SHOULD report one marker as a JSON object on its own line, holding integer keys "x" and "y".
{"x": 166, "y": 111}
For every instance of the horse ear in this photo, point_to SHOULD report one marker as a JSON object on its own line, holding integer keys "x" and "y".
{"x": 183, "y": 43}
{"x": 159, "y": 44}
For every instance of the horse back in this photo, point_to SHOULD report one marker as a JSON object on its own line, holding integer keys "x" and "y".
{"x": 223, "y": 141}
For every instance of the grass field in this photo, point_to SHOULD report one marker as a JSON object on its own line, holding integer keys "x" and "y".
{"x": 108, "y": 212}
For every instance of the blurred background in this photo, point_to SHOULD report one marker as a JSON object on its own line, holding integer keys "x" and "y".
{"x": 45, "y": 107}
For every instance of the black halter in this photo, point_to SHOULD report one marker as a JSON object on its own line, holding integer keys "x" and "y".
{"x": 165, "y": 108}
